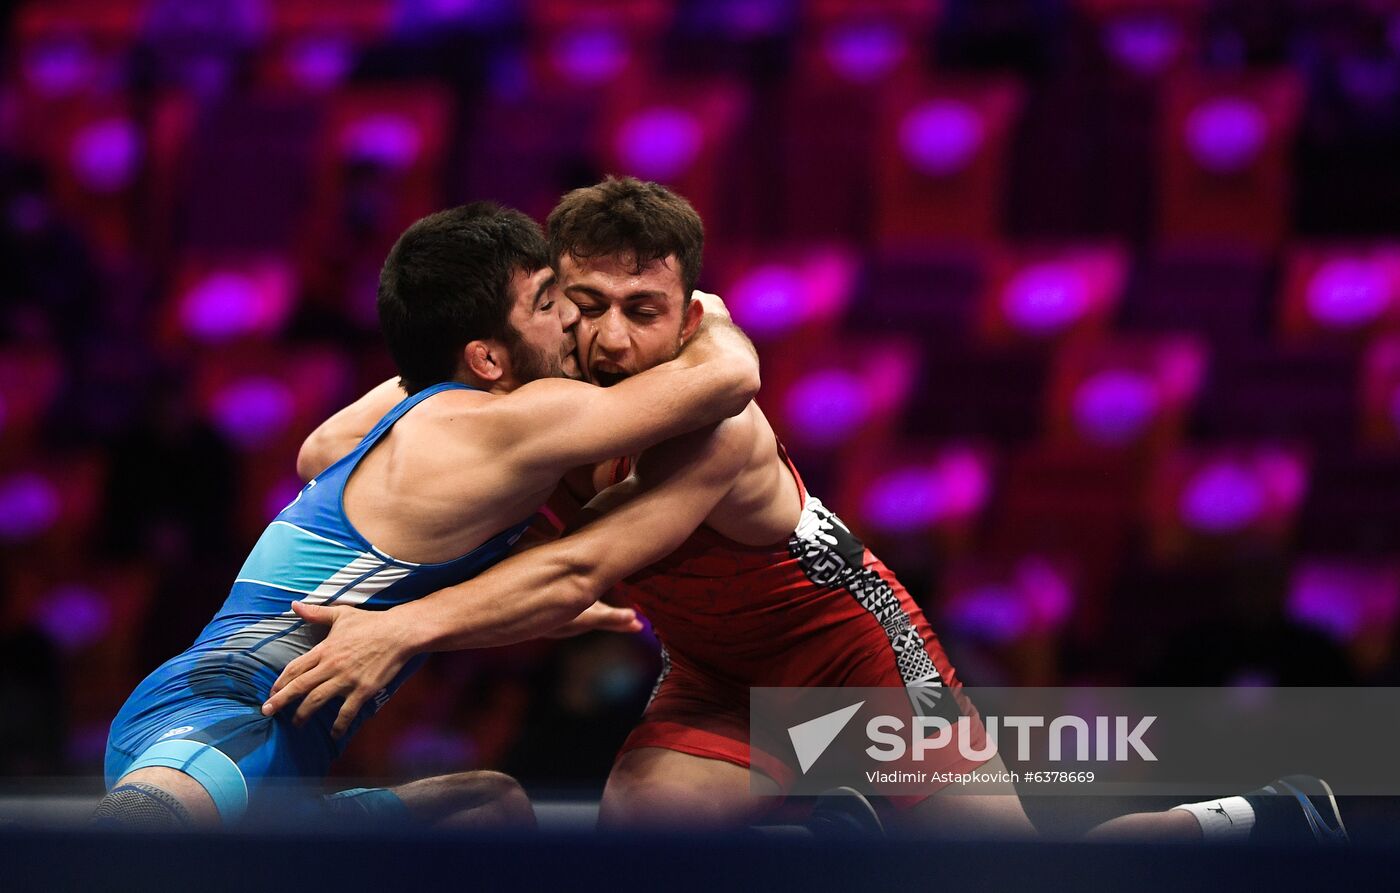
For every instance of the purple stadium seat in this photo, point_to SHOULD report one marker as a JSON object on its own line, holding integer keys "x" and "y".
{"x": 1380, "y": 395}
{"x": 1126, "y": 394}
{"x": 1212, "y": 503}
{"x": 848, "y": 56}
{"x": 1340, "y": 292}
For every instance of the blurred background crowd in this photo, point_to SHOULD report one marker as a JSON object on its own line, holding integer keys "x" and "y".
{"x": 1085, "y": 314}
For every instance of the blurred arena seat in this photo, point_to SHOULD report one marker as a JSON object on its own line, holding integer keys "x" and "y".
{"x": 1226, "y": 158}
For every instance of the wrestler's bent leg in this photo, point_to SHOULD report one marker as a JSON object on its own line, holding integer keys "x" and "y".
{"x": 652, "y": 786}
{"x": 467, "y": 800}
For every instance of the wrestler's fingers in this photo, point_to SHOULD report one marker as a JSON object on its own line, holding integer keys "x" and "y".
{"x": 298, "y": 666}
{"x": 713, "y": 304}
{"x": 348, "y": 711}
{"x": 296, "y": 691}
{"x": 316, "y": 613}
{"x": 618, "y": 620}
{"x": 317, "y": 699}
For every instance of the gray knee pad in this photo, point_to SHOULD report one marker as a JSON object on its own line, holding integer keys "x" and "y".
{"x": 141, "y": 807}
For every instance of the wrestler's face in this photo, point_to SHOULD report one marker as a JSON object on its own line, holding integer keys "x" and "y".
{"x": 629, "y": 320}
{"x": 543, "y": 344}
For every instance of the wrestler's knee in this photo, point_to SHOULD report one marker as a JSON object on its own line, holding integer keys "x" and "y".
{"x": 156, "y": 799}
{"x": 502, "y": 792}
{"x": 632, "y": 802}
{"x": 438, "y": 799}
{"x": 650, "y": 789}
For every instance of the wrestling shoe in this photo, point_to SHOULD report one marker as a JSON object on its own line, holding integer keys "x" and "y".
{"x": 1296, "y": 805}
{"x": 844, "y": 812}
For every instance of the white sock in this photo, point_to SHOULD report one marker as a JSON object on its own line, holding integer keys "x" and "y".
{"x": 1229, "y": 818}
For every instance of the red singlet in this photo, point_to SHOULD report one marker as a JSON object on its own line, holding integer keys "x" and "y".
{"x": 817, "y": 609}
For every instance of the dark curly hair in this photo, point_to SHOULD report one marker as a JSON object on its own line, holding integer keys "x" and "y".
{"x": 446, "y": 283}
{"x": 627, "y": 216}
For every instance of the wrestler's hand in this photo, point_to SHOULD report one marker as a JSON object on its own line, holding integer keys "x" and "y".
{"x": 713, "y": 304}
{"x": 599, "y": 616}
{"x": 361, "y": 654}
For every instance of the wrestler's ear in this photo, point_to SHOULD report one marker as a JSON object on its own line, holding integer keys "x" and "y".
{"x": 487, "y": 361}
{"x": 694, "y": 312}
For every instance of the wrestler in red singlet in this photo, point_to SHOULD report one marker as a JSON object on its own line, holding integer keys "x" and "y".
{"x": 818, "y": 609}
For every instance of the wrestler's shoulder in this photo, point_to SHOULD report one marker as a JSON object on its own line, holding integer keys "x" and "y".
{"x": 746, "y": 430}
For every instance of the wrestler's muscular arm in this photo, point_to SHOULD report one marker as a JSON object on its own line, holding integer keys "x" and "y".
{"x": 555, "y": 425}
{"x": 639, "y": 522}
{"x": 648, "y": 516}
{"x": 552, "y": 425}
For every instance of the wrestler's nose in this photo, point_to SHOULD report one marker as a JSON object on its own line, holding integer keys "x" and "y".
{"x": 568, "y": 313}
{"x": 612, "y": 333}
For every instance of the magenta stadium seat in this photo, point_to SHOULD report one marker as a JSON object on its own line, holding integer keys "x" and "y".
{"x": 682, "y": 134}
{"x": 1339, "y": 292}
{"x": 819, "y": 125}
{"x": 1226, "y": 156}
{"x": 848, "y": 56}
{"x": 1071, "y": 503}
{"x": 1129, "y": 393}
{"x": 742, "y": 37}
{"x": 1209, "y": 504}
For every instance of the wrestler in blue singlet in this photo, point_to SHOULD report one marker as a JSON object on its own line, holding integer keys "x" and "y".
{"x": 201, "y": 711}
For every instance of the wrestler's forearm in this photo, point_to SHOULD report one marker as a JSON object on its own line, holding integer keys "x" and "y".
{"x": 522, "y": 598}
{"x": 551, "y": 426}
{"x": 528, "y": 595}
{"x": 715, "y": 377}
{"x": 722, "y": 348}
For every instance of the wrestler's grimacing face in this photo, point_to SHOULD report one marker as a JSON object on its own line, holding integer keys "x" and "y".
{"x": 629, "y": 320}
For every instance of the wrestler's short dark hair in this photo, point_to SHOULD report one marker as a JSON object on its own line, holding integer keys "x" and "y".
{"x": 623, "y": 215}
{"x": 446, "y": 282}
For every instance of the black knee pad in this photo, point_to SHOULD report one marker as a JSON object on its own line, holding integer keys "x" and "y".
{"x": 141, "y": 807}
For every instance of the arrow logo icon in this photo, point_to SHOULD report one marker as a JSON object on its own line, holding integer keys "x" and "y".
{"x": 810, "y": 739}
